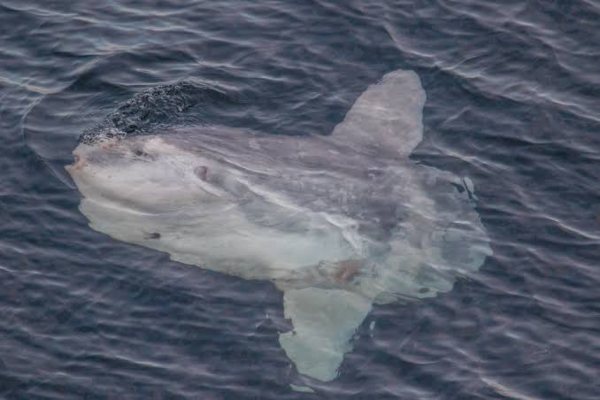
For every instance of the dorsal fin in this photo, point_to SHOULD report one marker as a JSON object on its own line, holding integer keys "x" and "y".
{"x": 387, "y": 117}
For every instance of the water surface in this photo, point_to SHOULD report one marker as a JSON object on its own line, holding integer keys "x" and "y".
{"x": 512, "y": 102}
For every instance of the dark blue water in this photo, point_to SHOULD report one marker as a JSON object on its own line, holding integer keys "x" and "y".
{"x": 513, "y": 101}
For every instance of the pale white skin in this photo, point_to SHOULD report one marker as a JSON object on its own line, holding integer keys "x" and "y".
{"x": 337, "y": 222}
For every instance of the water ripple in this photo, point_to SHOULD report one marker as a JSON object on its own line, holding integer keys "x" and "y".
{"x": 512, "y": 102}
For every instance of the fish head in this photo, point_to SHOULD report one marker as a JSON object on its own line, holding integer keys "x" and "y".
{"x": 146, "y": 174}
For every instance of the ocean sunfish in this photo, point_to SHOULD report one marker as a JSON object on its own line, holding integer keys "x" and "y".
{"x": 337, "y": 222}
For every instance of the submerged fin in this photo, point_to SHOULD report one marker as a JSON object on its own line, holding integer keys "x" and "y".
{"x": 324, "y": 322}
{"x": 387, "y": 117}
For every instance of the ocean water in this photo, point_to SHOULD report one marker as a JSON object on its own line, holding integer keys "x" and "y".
{"x": 513, "y": 102}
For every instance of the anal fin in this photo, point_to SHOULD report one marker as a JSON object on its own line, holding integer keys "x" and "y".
{"x": 324, "y": 322}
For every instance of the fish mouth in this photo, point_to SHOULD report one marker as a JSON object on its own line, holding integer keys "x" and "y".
{"x": 78, "y": 164}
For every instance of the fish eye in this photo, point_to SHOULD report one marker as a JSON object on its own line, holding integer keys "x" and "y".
{"x": 201, "y": 172}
